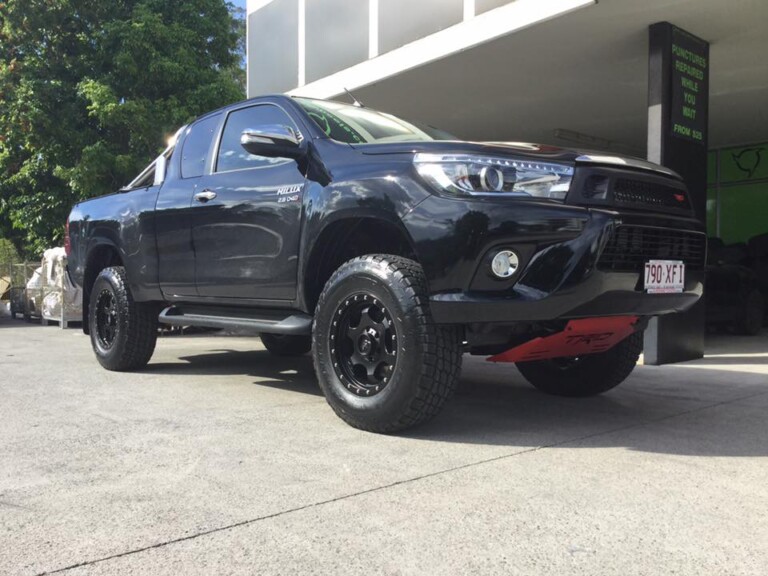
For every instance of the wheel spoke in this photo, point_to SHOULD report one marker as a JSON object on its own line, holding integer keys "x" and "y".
{"x": 356, "y": 359}
{"x": 352, "y": 332}
{"x": 370, "y": 369}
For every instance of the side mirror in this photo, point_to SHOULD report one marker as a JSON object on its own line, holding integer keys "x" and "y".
{"x": 272, "y": 141}
{"x": 161, "y": 165}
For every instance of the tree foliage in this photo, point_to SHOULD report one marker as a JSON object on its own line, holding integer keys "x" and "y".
{"x": 89, "y": 92}
{"x": 8, "y": 255}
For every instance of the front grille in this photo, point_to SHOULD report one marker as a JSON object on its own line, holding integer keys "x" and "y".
{"x": 643, "y": 193}
{"x": 630, "y": 247}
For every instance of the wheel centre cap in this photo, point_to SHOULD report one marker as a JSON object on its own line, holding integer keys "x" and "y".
{"x": 367, "y": 341}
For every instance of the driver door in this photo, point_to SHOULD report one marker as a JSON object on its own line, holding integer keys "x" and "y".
{"x": 246, "y": 216}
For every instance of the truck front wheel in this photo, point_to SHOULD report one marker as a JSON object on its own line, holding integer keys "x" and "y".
{"x": 381, "y": 361}
{"x": 586, "y": 375}
{"x": 123, "y": 332}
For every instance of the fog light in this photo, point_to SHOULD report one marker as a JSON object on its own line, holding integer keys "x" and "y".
{"x": 504, "y": 264}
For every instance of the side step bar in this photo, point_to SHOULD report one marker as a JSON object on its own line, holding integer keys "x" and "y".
{"x": 269, "y": 321}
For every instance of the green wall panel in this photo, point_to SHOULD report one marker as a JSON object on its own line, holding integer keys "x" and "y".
{"x": 712, "y": 168}
{"x": 747, "y": 163}
{"x": 743, "y": 192}
{"x": 743, "y": 212}
{"x": 712, "y": 211}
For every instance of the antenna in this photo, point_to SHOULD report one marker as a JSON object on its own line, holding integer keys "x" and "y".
{"x": 355, "y": 101}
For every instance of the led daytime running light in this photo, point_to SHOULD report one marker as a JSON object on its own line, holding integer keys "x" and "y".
{"x": 481, "y": 175}
{"x": 430, "y": 158}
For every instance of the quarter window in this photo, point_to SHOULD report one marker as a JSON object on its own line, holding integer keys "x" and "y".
{"x": 232, "y": 156}
{"x": 147, "y": 176}
{"x": 196, "y": 146}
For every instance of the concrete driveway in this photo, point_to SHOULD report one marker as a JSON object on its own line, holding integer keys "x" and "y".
{"x": 219, "y": 459}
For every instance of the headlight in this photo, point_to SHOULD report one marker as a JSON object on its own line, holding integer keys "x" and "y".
{"x": 475, "y": 175}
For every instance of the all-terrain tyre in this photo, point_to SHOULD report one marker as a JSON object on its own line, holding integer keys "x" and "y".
{"x": 123, "y": 332}
{"x": 381, "y": 361}
{"x": 286, "y": 345}
{"x": 586, "y": 375}
{"x": 752, "y": 314}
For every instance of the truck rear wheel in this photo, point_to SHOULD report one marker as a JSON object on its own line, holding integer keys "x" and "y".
{"x": 586, "y": 375}
{"x": 123, "y": 332}
{"x": 382, "y": 363}
{"x": 286, "y": 344}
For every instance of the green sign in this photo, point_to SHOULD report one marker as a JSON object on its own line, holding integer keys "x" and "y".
{"x": 690, "y": 85}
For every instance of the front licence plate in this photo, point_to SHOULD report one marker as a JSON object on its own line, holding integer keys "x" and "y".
{"x": 664, "y": 276}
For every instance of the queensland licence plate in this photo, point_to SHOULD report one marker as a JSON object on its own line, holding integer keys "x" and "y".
{"x": 664, "y": 276}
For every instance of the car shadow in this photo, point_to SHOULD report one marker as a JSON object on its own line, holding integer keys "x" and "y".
{"x": 294, "y": 374}
{"x": 679, "y": 409}
{"x": 673, "y": 410}
{"x": 8, "y": 322}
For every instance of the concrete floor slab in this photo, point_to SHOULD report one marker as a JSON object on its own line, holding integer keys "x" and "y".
{"x": 218, "y": 458}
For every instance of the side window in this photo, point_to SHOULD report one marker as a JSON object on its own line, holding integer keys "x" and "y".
{"x": 196, "y": 145}
{"x": 232, "y": 156}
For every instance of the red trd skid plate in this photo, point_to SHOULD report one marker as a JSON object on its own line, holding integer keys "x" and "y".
{"x": 584, "y": 336}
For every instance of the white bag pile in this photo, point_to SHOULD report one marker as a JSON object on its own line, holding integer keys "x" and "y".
{"x": 56, "y": 277}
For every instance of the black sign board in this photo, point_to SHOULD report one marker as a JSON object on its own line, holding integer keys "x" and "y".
{"x": 678, "y": 103}
{"x": 678, "y": 94}
{"x": 690, "y": 85}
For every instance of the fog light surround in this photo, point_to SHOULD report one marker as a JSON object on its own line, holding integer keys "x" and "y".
{"x": 504, "y": 264}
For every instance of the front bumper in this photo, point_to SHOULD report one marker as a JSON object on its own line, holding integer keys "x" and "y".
{"x": 602, "y": 294}
{"x": 562, "y": 274}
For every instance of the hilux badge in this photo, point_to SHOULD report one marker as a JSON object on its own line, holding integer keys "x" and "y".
{"x": 288, "y": 193}
{"x": 285, "y": 190}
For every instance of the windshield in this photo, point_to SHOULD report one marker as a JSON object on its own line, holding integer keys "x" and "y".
{"x": 356, "y": 125}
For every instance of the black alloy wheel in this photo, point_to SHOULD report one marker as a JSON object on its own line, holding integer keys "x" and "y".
{"x": 106, "y": 319}
{"x": 364, "y": 344}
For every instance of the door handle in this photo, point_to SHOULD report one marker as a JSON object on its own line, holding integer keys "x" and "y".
{"x": 205, "y": 196}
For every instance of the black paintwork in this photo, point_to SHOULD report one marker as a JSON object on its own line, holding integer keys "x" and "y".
{"x": 249, "y": 248}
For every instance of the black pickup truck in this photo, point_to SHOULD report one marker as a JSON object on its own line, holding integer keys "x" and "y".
{"x": 388, "y": 249}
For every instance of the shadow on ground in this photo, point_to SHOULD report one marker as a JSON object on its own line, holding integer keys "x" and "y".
{"x": 495, "y": 405}
{"x": 294, "y": 374}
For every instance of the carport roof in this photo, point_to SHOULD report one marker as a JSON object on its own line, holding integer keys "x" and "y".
{"x": 586, "y": 72}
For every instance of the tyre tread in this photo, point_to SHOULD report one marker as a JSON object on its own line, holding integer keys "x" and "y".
{"x": 441, "y": 364}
